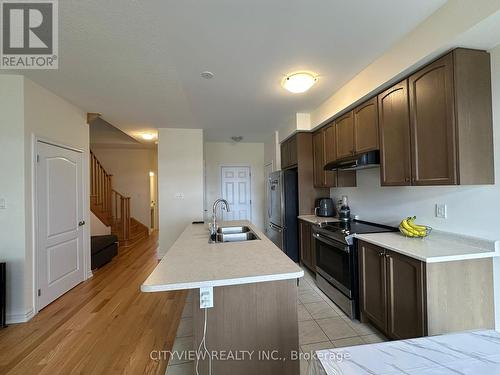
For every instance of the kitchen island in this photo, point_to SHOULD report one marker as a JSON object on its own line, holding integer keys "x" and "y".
{"x": 254, "y": 313}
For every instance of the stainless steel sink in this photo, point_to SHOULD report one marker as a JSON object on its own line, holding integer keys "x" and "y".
{"x": 233, "y": 230}
{"x": 236, "y": 236}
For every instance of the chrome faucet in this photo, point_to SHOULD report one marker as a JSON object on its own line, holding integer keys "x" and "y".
{"x": 213, "y": 227}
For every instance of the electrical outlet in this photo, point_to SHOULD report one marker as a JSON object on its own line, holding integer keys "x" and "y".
{"x": 179, "y": 195}
{"x": 441, "y": 210}
{"x": 206, "y": 297}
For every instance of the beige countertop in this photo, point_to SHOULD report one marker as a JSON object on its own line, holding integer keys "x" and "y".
{"x": 193, "y": 263}
{"x": 438, "y": 247}
{"x": 318, "y": 219}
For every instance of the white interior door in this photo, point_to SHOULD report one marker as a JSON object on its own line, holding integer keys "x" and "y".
{"x": 60, "y": 219}
{"x": 236, "y": 190}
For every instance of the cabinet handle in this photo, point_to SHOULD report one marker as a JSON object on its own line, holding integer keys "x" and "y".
{"x": 407, "y": 179}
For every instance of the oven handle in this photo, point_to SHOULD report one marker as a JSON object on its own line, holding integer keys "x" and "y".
{"x": 337, "y": 245}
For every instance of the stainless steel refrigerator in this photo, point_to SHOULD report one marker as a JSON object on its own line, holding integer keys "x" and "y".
{"x": 282, "y": 211}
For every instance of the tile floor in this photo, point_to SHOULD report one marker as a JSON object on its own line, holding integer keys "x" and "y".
{"x": 322, "y": 325}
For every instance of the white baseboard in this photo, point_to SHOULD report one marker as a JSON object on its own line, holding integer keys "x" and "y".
{"x": 89, "y": 274}
{"x": 19, "y": 318}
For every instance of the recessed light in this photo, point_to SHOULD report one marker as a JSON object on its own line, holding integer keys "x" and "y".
{"x": 148, "y": 136}
{"x": 299, "y": 82}
{"x": 207, "y": 75}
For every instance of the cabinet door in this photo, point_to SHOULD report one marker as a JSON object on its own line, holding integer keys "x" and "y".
{"x": 318, "y": 152}
{"x": 344, "y": 131}
{"x": 284, "y": 155}
{"x": 394, "y": 127}
{"x": 329, "y": 177}
{"x": 292, "y": 151}
{"x": 305, "y": 243}
{"x": 406, "y": 296}
{"x": 434, "y": 154}
{"x": 366, "y": 126}
{"x": 373, "y": 296}
{"x": 330, "y": 146}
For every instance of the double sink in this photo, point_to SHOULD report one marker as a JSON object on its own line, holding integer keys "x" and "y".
{"x": 235, "y": 234}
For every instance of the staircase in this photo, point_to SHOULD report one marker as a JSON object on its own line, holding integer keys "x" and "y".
{"x": 113, "y": 208}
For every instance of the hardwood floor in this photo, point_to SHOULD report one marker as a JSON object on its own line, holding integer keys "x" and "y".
{"x": 105, "y": 325}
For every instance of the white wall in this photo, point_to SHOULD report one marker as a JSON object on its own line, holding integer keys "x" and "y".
{"x": 272, "y": 152}
{"x": 472, "y": 210}
{"x": 130, "y": 169}
{"x": 46, "y": 116}
{"x": 180, "y": 171}
{"x": 12, "y": 218}
{"x": 97, "y": 227}
{"x": 219, "y": 154}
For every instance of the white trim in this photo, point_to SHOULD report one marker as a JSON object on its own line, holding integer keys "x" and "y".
{"x": 236, "y": 165}
{"x": 87, "y": 272}
{"x": 19, "y": 318}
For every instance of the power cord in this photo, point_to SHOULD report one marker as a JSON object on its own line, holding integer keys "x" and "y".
{"x": 203, "y": 343}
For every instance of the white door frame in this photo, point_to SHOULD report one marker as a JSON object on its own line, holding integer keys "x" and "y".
{"x": 34, "y": 215}
{"x": 250, "y": 187}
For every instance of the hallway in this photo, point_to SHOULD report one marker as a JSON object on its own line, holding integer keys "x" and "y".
{"x": 104, "y": 325}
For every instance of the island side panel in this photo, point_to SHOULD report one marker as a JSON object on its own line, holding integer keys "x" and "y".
{"x": 253, "y": 318}
{"x": 460, "y": 296}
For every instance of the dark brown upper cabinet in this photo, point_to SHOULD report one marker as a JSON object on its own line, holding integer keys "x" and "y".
{"x": 322, "y": 178}
{"x": 289, "y": 156}
{"x": 284, "y": 155}
{"x": 433, "y": 148}
{"x": 292, "y": 151}
{"x": 451, "y": 120}
{"x": 366, "y": 126}
{"x": 394, "y": 128}
{"x": 344, "y": 133}
{"x": 329, "y": 143}
{"x": 436, "y": 127}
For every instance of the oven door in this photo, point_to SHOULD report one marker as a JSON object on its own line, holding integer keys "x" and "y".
{"x": 334, "y": 263}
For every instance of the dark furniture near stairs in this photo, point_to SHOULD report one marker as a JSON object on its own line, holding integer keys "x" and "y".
{"x": 103, "y": 249}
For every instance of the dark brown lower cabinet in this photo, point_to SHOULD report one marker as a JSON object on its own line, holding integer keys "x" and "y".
{"x": 373, "y": 291}
{"x": 392, "y": 291}
{"x": 405, "y": 296}
{"x": 307, "y": 245}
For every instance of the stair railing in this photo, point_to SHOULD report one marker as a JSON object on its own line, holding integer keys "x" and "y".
{"x": 108, "y": 204}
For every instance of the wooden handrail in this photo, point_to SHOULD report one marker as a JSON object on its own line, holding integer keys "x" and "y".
{"x": 107, "y": 203}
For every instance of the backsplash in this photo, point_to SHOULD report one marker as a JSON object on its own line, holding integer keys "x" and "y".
{"x": 388, "y": 205}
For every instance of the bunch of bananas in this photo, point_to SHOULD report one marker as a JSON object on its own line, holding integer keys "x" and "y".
{"x": 410, "y": 229}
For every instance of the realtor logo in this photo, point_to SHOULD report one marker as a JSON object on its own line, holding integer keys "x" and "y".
{"x": 29, "y": 37}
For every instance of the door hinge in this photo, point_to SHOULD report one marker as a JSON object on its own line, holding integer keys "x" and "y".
{"x": 39, "y": 292}
{"x": 38, "y": 158}
{"x": 250, "y": 201}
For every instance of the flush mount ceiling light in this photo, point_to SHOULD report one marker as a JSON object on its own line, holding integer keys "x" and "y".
{"x": 238, "y": 138}
{"x": 148, "y": 136}
{"x": 299, "y": 82}
{"x": 207, "y": 75}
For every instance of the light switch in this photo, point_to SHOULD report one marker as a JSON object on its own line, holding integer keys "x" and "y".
{"x": 441, "y": 210}
{"x": 2, "y": 204}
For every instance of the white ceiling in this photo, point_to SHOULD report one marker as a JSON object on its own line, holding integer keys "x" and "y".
{"x": 139, "y": 62}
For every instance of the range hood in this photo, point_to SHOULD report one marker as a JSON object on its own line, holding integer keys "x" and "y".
{"x": 369, "y": 159}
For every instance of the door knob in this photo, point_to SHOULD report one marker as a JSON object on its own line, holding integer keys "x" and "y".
{"x": 81, "y": 223}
